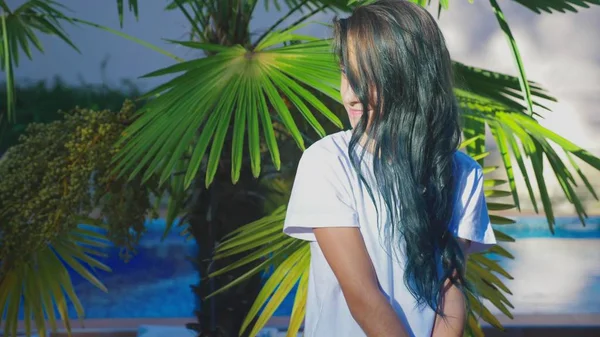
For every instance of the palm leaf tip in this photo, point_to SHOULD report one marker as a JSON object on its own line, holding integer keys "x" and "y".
{"x": 21, "y": 27}
{"x": 132, "y": 6}
{"x": 562, "y": 6}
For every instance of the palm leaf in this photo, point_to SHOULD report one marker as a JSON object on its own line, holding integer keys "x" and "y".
{"x": 19, "y": 31}
{"x": 277, "y": 287}
{"x": 127, "y": 37}
{"x": 210, "y": 89}
{"x": 42, "y": 285}
{"x": 481, "y": 269}
{"x": 501, "y": 141}
{"x": 498, "y": 87}
{"x": 516, "y": 55}
{"x": 474, "y": 130}
{"x": 7, "y": 66}
{"x": 132, "y": 6}
{"x": 290, "y": 265}
{"x": 550, "y": 6}
{"x": 293, "y": 269}
{"x": 299, "y": 308}
{"x": 177, "y": 198}
{"x": 308, "y": 5}
{"x": 509, "y": 125}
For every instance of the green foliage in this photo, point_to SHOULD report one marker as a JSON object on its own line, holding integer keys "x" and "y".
{"x": 550, "y": 6}
{"x": 58, "y": 173}
{"x": 132, "y": 5}
{"x": 19, "y": 30}
{"x": 235, "y": 89}
{"x": 41, "y": 286}
{"x": 56, "y": 178}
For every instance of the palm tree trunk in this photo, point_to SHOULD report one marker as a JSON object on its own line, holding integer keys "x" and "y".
{"x": 216, "y": 211}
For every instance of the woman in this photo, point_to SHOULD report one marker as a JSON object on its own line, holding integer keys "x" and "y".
{"x": 391, "y": 207}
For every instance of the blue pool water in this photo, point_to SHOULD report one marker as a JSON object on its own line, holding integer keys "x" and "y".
{"x": 552, "y": 273}
{"x": 565, "y": 228}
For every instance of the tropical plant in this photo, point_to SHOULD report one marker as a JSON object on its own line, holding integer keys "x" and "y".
{"x": 221, "y": 109}
{"x": 20, "y": 30}
{"x": 54, "y": 180}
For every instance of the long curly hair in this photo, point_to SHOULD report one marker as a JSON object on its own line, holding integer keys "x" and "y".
{"x": 396, "y": 61}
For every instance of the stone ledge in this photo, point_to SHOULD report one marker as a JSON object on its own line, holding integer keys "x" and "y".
{"x": 580, "y": 325}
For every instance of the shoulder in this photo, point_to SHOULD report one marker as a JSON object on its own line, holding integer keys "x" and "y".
{"x": 327, "y": 157}
{"x": 328, "y": 150}
{"x": 466, "y": 165}
{"x": 468, "y": 174}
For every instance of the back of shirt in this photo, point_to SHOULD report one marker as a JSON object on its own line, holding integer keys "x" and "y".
{"x": 327, "y": 192}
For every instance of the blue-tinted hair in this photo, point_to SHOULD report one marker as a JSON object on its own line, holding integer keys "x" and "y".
{"x": 396, "y": 61}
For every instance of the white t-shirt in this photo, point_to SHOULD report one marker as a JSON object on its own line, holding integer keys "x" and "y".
{"x": 328, "y": 193}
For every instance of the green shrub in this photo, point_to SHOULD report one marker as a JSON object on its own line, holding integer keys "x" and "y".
{"x": 59, "y": 175}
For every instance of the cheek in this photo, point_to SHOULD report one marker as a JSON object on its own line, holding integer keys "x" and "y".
{"x": 343, "y": 85}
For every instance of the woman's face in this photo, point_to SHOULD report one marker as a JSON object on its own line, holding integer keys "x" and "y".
{"x": 354, "y": 107}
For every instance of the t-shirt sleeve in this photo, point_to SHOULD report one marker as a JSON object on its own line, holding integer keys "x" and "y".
{"x": 470, "y": 218}
{"x": 321, "y": 196}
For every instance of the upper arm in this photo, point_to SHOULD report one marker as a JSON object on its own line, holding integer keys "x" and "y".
{"x": 322, "y": 209}
{"x": 347, "y": 255}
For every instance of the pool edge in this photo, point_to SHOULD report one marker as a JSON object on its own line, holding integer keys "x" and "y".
{"x": 127, "y": 325}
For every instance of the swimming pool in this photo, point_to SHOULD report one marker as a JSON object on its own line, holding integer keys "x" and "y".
{"x": 557, "y": 274}
{"x": 553, "y": 274}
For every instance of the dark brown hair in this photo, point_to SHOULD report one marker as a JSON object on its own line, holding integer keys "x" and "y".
{"x": 395, "y": 49}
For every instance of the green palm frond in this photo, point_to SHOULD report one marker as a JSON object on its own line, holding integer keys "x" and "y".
{"x": 276, "y": 4}
{"x": 128, "y": 37}
{"x": 308, "y": 5}
{"x": 263, "y": 241}
{"x": 521, "y": 137}
{"x": 516, "y": 55}
{"x": 551, "y": 6}
{"x": 19, "y": 32}
{"x": 133, "y": 7}
{"x": 537, "y": 6}
{"x": 205, "y": 26}
{"x": 42, "y": 286}
{"x": 501, "y": 88}
{"x": 483, "y": 270}
{"x": 232, "y": 92}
